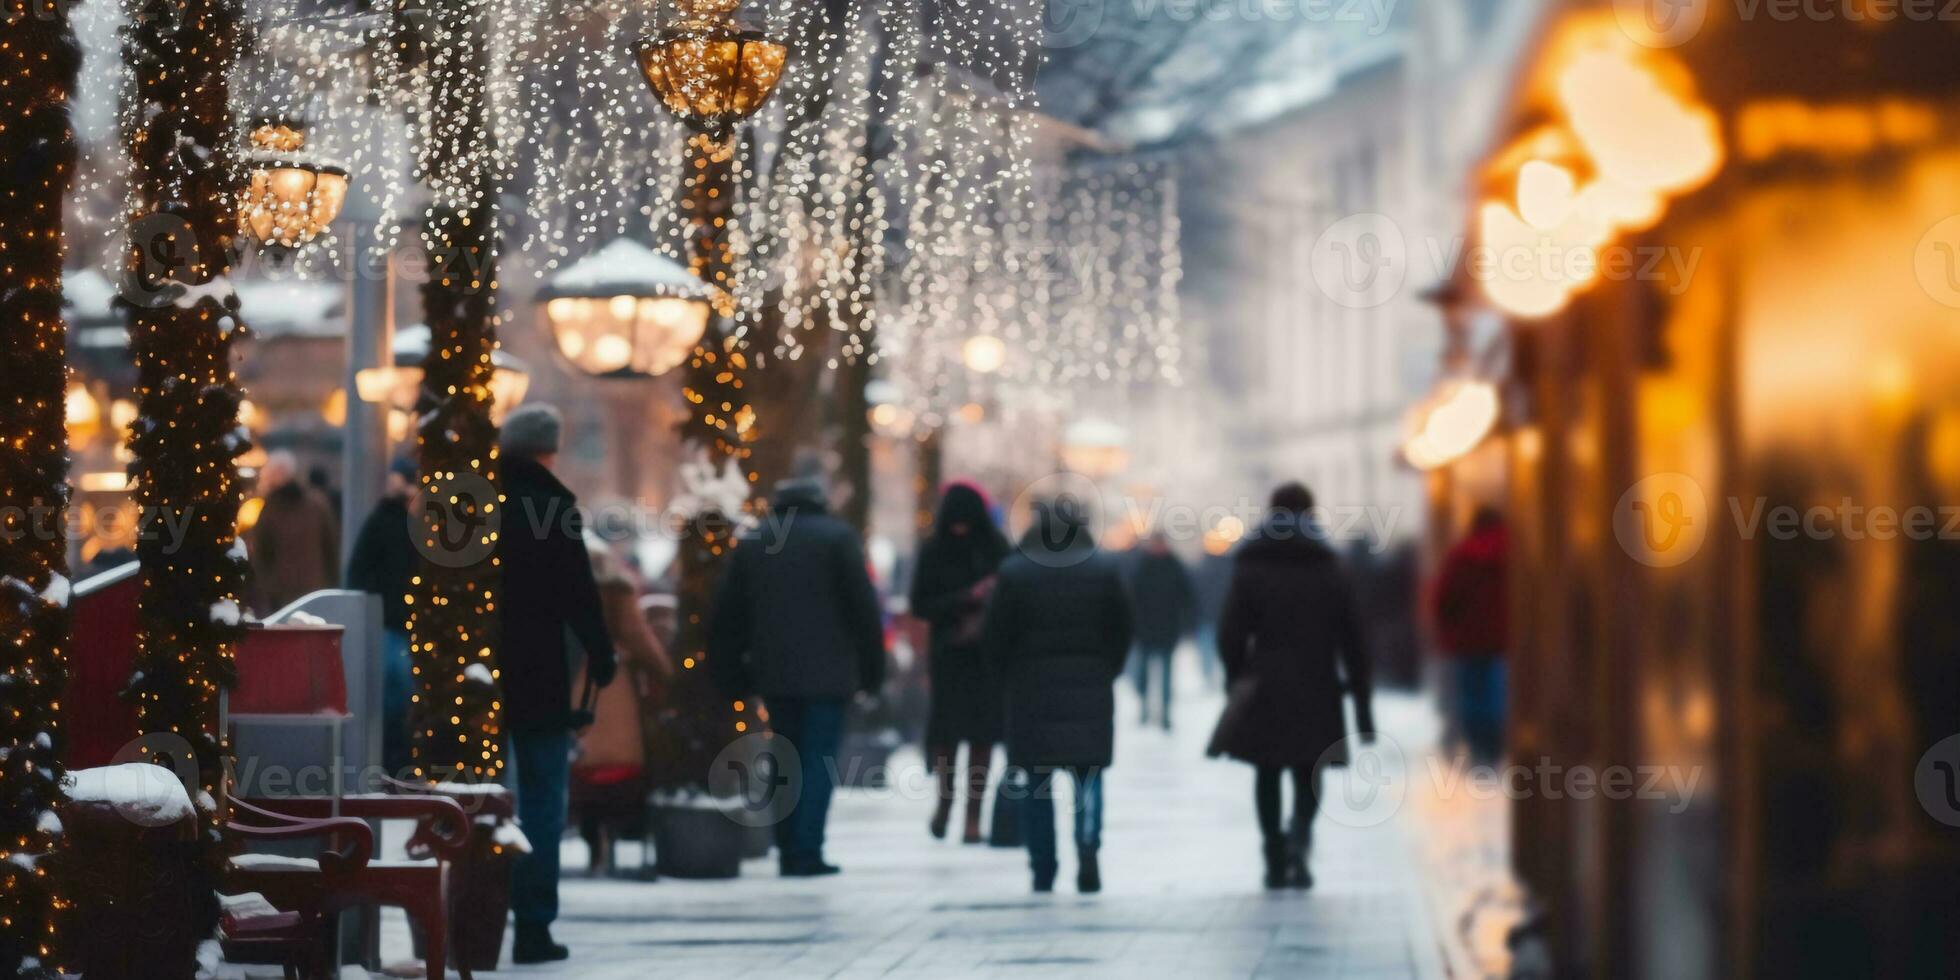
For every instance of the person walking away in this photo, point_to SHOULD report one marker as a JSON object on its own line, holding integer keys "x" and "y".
{"x": 609, "y": 777}
{"x": 1211, "y": 580}
{"x": 294, "y": 546}
{"x": 1289, "y": 633}
{"x": 796, "y": 622}
{"x": 1471, "y": 612}
{"x": 382, "y": 564}
{"x": 549, "y": 593}
{"x": 1166, "y": 607}
{"x": 1058, "y": 630}
{"x": 950, "y": 587}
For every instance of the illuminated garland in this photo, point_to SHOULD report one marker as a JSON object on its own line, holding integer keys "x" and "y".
{"x": 183, "y": 318}
{"x": 695, "y": 722}
{"x": 453, "y": 599}
{"x": 38, "y": 63}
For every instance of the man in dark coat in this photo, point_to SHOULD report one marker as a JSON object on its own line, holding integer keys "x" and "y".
{"x": 549, "y": 591}
{"x": 382, "y": 563}
{"x": 1058, "y": 630}
{"x": 1166, "y": 606}
{"x": 1289, "y": 632}
{"x": 797, "y": 623}
{"x": 295, "y": 544}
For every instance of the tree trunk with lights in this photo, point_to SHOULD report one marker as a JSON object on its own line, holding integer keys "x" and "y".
{"x": 695, "y": 720}
{"x": 453, "y": 619}
{"x": 183, "y": 319}
{"x": 39, "y": 61}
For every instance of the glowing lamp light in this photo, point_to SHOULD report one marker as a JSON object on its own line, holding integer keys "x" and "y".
{"x": 984, "y": 354}
{"x": 289, "y": 201}
{"x": 1096, "y": 448}
{"x": 1639, "y": 121}
{"x": 1452, "y": 424}
{"x": 82, "y": 413}
{"x": 626, "y": 312}
{"x": 1546, "y": 194}
{"x": 399, "y": 386}
{"x": 707, "y": 71}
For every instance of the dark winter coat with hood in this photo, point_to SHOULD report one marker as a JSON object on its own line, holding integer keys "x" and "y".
{"x": 1291, "y": 626}
{"x": 949, "y": 592}
{"x": 549, "y": 593}
{"x": 1058, "y": 630}
{"x": 796, "y": 615}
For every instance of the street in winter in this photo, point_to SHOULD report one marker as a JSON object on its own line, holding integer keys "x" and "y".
{"x": 1340, "y": 489}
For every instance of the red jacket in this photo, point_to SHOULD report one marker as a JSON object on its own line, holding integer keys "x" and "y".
{"x": 1470, "y": 605}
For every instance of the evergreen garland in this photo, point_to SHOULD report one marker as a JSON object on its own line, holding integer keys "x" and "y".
{"x": 695, "y": 721}
{"x": 38, "y": 64}
{"x": 453, "y": 599}
{"x": 183, "y": 319}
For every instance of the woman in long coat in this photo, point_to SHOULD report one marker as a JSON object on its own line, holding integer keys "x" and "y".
{"x": 949, "y": 591}
{"x": 1060, "y": 628}
{"x": 1288, "y": 633}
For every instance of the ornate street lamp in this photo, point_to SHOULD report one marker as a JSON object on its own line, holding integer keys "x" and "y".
{"x": 707, "y": 70}
{"x": 626, "y": 311}
{"x": 400, "y": 385}
{"x": 291, "y": 200}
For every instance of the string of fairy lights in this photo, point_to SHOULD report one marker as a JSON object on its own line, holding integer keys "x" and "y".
{"x": 183, "y": 319}
{"x": 1080, "y": 291}
{"x": 39, "y": 60}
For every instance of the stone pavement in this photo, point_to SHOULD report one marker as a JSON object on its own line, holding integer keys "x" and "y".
{"x": 1182, "y": 895}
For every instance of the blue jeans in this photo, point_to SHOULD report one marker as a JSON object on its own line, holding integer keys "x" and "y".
{"x": 1039, "y": 814}
{"x": 397, "y": 686}
{"x": 1155, "y": 660}
{"x": 815, "y": 728}
{"x": 543, "y": 764}
{"x": 1479, "y": 683}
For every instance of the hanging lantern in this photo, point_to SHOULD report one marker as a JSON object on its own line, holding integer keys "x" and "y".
{"x": 290, "y": 200}
{"x": 400, "y": 384}
{"x": 626, "y": 312}
{"x": 708, "y": 71}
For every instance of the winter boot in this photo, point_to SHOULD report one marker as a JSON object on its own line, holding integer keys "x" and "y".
{"x": 973, "y": 834}
{"x": 1275, "y": 862}
{"x": 1299, "y": 845}
{"x": 941, "y": 816}
{"x": 1088, "y": 877}
{"x": 533, "y": 945}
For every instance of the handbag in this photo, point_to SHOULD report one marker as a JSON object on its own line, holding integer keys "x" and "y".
{"x": 1236, "y": 716}
{"x": 1009, "y": 797}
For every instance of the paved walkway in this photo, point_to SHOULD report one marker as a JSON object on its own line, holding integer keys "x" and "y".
{"x": 1182, "y": 892}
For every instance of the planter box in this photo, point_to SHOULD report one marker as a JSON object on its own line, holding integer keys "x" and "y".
{"x": 697, "y": 841}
